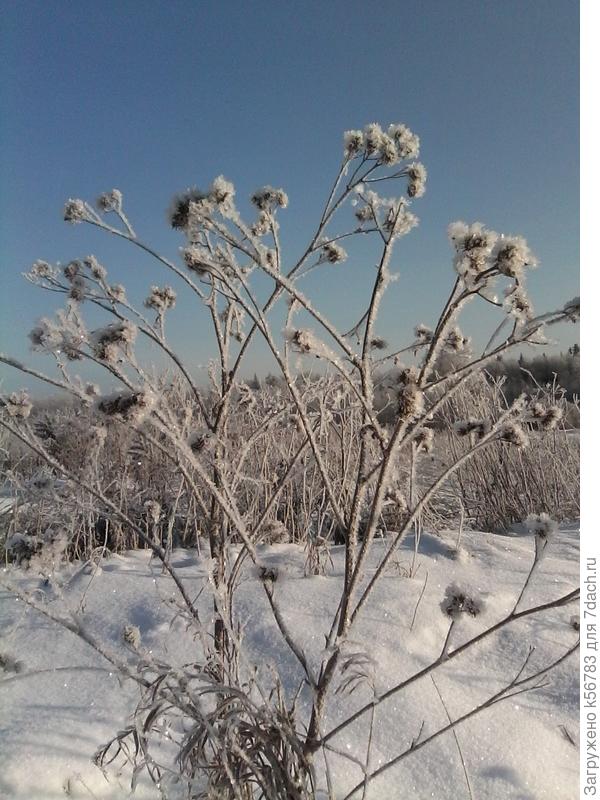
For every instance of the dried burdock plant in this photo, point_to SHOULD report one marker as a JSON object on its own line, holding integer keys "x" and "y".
{"x": 229, "y": 466}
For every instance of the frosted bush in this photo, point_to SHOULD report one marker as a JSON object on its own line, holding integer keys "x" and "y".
{"x": 306, "y": 457}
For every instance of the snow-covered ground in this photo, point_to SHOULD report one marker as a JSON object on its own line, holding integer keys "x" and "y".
{"x": 66, "y": 702}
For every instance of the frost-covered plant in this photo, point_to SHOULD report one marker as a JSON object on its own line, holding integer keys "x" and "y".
{"x": 500, "y": 484}
{"x": 309, "y": 451}
{"x": 459, "y": 600}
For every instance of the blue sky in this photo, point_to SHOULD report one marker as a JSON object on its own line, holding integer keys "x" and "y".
{"x": 153, "y": 97}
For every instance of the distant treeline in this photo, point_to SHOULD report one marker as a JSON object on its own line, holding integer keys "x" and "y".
{"x": 527, "y": 374}
{"x": 522, "y": 375}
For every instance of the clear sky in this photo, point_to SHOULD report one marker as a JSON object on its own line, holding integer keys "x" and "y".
{"x": 152, "y": 97}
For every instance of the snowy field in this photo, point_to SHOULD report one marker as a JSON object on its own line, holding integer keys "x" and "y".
{"x": 65, "y": 702}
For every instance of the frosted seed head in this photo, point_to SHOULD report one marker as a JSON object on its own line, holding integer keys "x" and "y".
{"x": 424, "y": 440}
{"x": 302, "y": 341}
{"x": 95, "y": 268}
{"x": 478, "y": 427}
{"x": 417, "y": 177}
{"x": 161, "y": 299}
{"x": 268, "y": 575}
{"x": 517, "y": 304}
{"x": 153, "y": 511}
{"x": 78, "y": 289}
{"x": 407, "y": 143}
{"x": 511, "y": 255}
{"x": 75, "y": 211}
{"x": 72, "y": 270}
{"x": 423, "y": 333}
{"x": 388, "y": 152}
{"x": 410, "y": 401}
{"x": 132, "y": 407}
{"x": 195, "y": 259}
{"x": 180, "y": 208}
{"x": 110, "y": 201}
{"x": 373, "y": 137}
{"x": 513, "y": 433}
{"x": 354, "y": 143}
{"x": 262, "y": 225}
{"x": 106, "y": 342}
{"x": 541, "y": 525}
{"x": 456, "y": 342}
{"x": 546, "y": 417}
{"x": 267, "y": 198}
{"x": 116, "y": 293}
{"x": 10, "y": 664}
{"x": 574, "y": 622}
{"x": 461, "y": 600}
{"x": 333, "y": 253}
{"x": 377, "y": 343}
{"x": 18, "y": 405}
{"x": 222, "y": 191}
{"x": 41, "y": 269}
{"x": 132, "y": 636}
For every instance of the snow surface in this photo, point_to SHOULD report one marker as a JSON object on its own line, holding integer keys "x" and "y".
{"x": 67, "y": 701}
